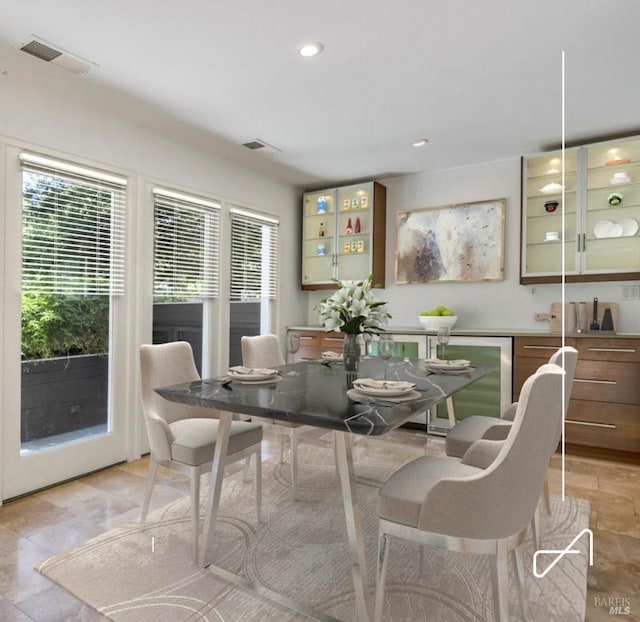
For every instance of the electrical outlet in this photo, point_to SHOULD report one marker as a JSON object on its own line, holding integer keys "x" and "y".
{"x": 630, "y": 292}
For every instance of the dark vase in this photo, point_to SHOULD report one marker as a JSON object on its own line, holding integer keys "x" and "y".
{"x": 351, "y": 352}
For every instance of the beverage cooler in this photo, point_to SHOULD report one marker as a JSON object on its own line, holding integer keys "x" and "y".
{"x": 488, "y": 396}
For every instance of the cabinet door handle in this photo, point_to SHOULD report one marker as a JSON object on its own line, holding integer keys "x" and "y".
{"x": 594, "y": 425}
{"x": 306, "y": 338}
{"x": 595, "y": 381}
{"x": 540, "y": 347}
{"x": 631, "y": 350}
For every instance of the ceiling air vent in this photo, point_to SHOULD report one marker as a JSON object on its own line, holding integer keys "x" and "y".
{"x": 257, "y": 144}
{"x": 46, "y": 52}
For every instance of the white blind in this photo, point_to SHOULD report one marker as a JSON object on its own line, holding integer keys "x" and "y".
{"x": 187, "y": 243}
{"x": 254, "y": 256}
{"x": 73, "y": 228}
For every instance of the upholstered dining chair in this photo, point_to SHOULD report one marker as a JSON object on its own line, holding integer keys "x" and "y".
{"x": 465, "y": 507}
{"x": 183, "y": 437}
{"x": 262, "y": 351}
{"x": 476, "y": 427}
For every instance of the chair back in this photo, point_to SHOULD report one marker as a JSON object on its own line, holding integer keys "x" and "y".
{"x": 500, "y": 501}
{"x": 261, "y": 351}
{"x": 162, "y": 365}
{"x": 567, "y": 358}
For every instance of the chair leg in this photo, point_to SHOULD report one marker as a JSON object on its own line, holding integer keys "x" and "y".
{"x": 151, "y": 478}
{"x": 194, "y": 475}
{"x": 282, "y": 447}
{"x": 547, "y": 497}
{"x": 381, "y": 576}
{"x": 500, "y": 582}
{"x": 259, "y": 484}
{"x": 247, "y": 465}
{"x": 518, "y": 562}
{"x": 294, "y": 463}
{"x": 536, "y": 526}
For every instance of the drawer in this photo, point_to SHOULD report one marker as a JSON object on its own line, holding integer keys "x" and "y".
{"x": 600, "y": 425}
{"x": 607, "y": 382}
{"x": 309, "y": 345}
{"x": 332, "y": 341}
{"x": 624, "y": 350}
{"x": 539, "y": 347}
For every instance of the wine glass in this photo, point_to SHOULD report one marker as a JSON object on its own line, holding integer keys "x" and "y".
{"x": 385, "y": 350}
{"x": 293, "y": 344}
{"x": 443, "y": 338}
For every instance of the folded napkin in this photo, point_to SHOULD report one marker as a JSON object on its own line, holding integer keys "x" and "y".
{"x": 457, "y": 362}
{"x": 370, "y": 383}
{"x": 249, "y": 371}
{"x": 332, "y": 355}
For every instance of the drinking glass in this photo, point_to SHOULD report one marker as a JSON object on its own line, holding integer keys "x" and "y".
{"x": 385, "y": 350}
{"x": 367, "y": 338}
{"x": 293, "y": 344}
{"x": 443, "y": 338}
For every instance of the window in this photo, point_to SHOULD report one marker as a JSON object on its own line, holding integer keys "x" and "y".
{"x": 73, "y": 241}
{"x": 186, "y": 267}
{"x": 254, "y": 276}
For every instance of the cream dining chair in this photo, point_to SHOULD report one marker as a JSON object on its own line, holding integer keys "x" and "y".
{"x": 476, "y": 427}
{"x": 484, "y": 503}
{"x": 183, "y": 437}
{"x": 262, "y": 351}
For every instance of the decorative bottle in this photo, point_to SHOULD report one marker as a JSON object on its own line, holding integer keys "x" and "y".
{"x": 321, "y": 230}
{"x": 357, "y": 229}
{"x": 349, "y": 227}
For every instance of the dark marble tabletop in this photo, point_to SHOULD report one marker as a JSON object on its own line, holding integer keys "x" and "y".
{"x": 313, "y": 393}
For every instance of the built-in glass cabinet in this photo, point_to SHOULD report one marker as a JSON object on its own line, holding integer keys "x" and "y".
{"x": 343, "y": 235}
{"x": 595, "y": 228}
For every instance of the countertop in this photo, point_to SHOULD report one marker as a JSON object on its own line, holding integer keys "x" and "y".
{"x": 493, "y": 332}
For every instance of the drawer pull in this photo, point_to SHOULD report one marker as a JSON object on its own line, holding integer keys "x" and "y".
{"x": 307, "y": 338}
{"x": 540, "y": 347}
{"x": 630, "y": 350}
{"x": 595, "y": 381}
{"x": 333, "y": 339}
{"x": 593, "y": 425}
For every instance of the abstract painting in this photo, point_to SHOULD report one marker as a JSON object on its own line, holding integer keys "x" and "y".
{"x": 463, "y": 242}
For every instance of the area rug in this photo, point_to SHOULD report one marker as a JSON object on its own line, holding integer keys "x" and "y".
{"x": 300, "y": 550}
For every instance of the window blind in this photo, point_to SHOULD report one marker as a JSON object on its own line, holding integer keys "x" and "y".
{"x": 254, "y": 256}
{"x": 73, "y": 222}
{"x": 187, "y": 242}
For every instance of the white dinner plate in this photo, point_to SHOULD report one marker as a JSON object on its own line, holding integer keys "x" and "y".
{"x": 252, "y": 377}
{"x": 453, "y": 365}
{"x": 393, "y": 389}
{"x": 601, "y": 230}
{"x": 615, "y": 231}
{"x": 629, "y": 227}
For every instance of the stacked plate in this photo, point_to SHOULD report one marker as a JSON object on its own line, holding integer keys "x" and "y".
{"x": 627, "y": 227}
{"x": 439, "y": 366}
{"x": 250, "y": 374}
{"x": 383, "y": 388}
{"x": 331, "y": 356}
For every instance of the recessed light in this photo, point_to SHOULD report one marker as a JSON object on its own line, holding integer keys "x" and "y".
{"x": 419, "y": 142}
{"x": 313, "y": 48}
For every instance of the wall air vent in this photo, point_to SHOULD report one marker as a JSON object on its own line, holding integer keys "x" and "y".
{"x": 48, "y": 53}
{"x": 257, "y": 144}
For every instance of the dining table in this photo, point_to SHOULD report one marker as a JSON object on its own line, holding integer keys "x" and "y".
{"x": 319, "y": 394}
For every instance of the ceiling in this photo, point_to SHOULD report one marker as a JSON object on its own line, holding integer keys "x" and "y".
{"x": 480, "y": 79}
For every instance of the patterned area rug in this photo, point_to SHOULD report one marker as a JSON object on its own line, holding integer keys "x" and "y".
{"x": 300, "y": 550}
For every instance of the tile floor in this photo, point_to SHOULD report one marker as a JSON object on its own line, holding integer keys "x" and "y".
{"x": 54, "y": 520}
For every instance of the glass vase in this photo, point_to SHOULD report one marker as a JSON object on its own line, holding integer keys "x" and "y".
{"x": 351, "y": 352}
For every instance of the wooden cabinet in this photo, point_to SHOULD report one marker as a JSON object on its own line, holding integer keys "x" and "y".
{"x": 601, "y": 214}
{"x": 343, "y": 235}
{"x": 313, "y": 342}
{"x": 604, "y": 411}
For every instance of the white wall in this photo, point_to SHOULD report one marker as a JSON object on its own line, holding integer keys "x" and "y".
{"x": 501, "y": 305}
